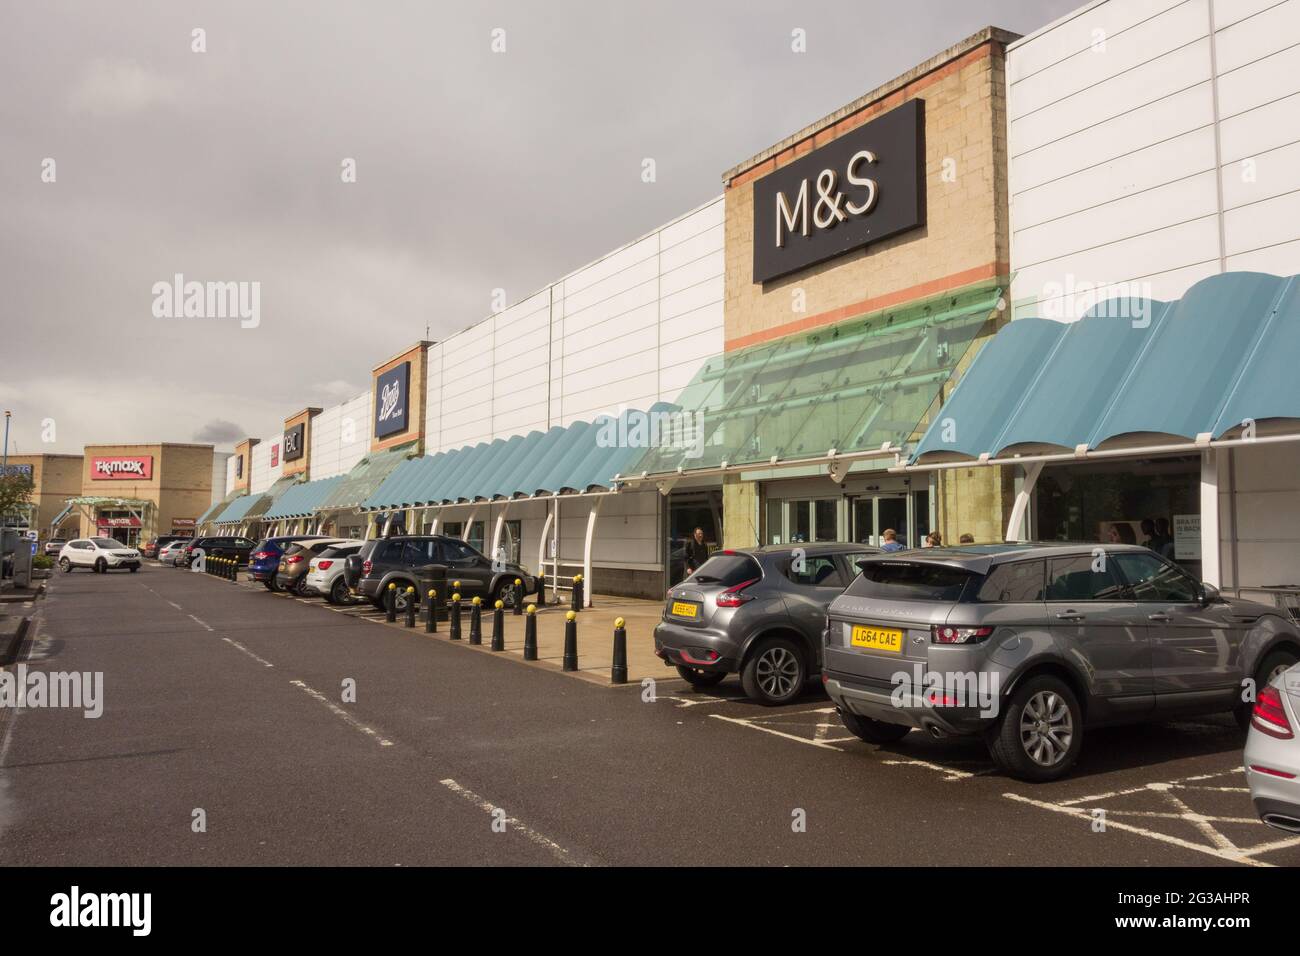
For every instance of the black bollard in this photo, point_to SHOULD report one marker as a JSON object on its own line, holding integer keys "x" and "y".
{"x": 618, "y": 672}
{"x": 390, "y": 603}
{"x": 541, "y": 589}
{"x": 431, "y": 617}
{"x": 412, "y": 604}
{"x": 575, "y": 600}
{"x": 476, "y": 621}
{"x": 519, "y": 598}
{"x": 570, "y": 641}
{"x": 530, "y": 634}
{"x": 453, "y": 623}
{"x": 499, "y": 627}
{"x": 232, "y": 569}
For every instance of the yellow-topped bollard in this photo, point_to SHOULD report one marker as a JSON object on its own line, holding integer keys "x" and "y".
{"x": 618, "y": 669}
{"x": 570, "y": 641}
{"x": 530, "y": 634}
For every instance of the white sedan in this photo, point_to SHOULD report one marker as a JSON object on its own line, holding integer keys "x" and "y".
{"x": 98, "y": 554}
{"x": 1273, "y": 752}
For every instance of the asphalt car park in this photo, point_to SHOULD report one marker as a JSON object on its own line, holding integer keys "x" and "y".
{"x": 1170, "y": 792}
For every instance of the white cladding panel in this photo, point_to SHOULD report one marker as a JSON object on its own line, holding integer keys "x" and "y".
{"x": 263, "y": 474}
{"x": 626, "y": 331}
{"x": 1114, "y": 177}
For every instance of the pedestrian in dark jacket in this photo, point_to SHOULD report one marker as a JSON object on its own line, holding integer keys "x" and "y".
{"x": 697, "y": 552}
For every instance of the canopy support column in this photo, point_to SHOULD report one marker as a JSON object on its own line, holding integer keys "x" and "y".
{"x": 469, "y": 524}
{"x": 1211, "y": 570}
{"x": 541, "y": 540}
{"x": 1020, "y": 510}
{"x": 497, "y": 529}
{"x": 586, "y": 550}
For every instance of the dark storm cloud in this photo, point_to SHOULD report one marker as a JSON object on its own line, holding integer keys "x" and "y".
{"x": 474, "y": 170}
{"x": 220, "y": 432}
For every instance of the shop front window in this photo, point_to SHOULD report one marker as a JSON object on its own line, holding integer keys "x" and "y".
{"x": 1152, "y": 502}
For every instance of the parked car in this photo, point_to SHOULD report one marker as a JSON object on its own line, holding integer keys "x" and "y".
{"x": 152, "y": 548}
{"x": 325, "y": 572}
{"x": 758, "y": 612}
{"x": 54, "y": 546}
{"x": 385, "y": 561}
{"x": 1272, "y": 755}
{"x": 217, "y": 546}
{"x": 1028, "y": 645}
{"x": 98, "y": 554}
{"x": 291, "y": 572}
{"x": 173, "y": 552}
{"x": 264, "y": 559}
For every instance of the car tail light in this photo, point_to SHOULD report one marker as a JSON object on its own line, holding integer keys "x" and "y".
{"x": 323, "y": 564}
{"x": 365, "y": 567}
{"x": 732, "y": 597}
{"x": 1269, "y": 716}
{"x": 1272, "y": 772}
{"x": 263, "y": 555}
{"x": 947, "y": 634}
{"x": 293, "y": 558}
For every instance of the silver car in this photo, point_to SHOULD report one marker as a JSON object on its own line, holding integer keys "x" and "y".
{"x": 1273, "y": 752}
{"x": 759, "y": 612}
{"x": 172, "y": 552}
{"x": 1026, "y": 645}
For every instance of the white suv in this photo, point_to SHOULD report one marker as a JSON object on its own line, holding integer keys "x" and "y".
{"x": 98, "y": 554}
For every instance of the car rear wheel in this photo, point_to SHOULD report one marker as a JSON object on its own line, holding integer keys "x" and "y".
{"x": 774, "y": 673}
{"x": 700, "y": 679}
{"x": 339, "y": 591}
{"x": 873, "y": 731}
{"x": 1041, "y": 731}
{"x": 65, "y": 565}
{"x": 1272, "y": 665}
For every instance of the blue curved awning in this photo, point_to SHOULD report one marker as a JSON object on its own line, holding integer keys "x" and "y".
{"x": 302, "y": 500}
{"x": 1205, "y": 364}
{"x": 237, "y": 509}
{"x": 578, "y": 457}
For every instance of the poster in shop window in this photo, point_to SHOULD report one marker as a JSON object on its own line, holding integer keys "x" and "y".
{"x": 1187, "y": 537}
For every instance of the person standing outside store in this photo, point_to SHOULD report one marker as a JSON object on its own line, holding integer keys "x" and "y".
{"x": 891, "y": 541}
{"x": 697, "y": 552}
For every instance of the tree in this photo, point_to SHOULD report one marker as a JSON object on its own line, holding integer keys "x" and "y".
{"x": 15, "y": 494}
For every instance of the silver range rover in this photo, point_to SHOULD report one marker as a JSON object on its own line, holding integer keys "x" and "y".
{"x": 1029, "y": 644}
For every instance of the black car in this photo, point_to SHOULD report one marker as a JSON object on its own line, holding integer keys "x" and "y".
{"x": 218, "y": 547}
{"x": 385, "y": 561}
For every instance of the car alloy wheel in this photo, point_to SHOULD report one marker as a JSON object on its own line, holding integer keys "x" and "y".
{"x": 339, "y": 591}
{"x": 777, "y": 672}
{"x": 1046, "y": 728}
{"x": 101, "y": 567}
{"x": 65, "y": 565}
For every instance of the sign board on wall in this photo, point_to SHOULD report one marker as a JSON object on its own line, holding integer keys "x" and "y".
{"x": 17, "y": 469}
{"x": 121, "y": 468}
{"x": 239, "y": 466}
{"x": 1187, "y": 537}
{"x": 293, "y": 441}
{"x": 865, "y": 186}
{"x": 275, "y": 454}
{"x": 391, "y": 393}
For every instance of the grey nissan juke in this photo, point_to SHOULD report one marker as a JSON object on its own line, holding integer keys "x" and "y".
{"x": 1028, "y": 644}
{"x": 759, "y": 612}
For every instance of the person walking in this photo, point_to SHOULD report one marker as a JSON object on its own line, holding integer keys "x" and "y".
{"x": 697, "y": 552}
{"x": 891, "y": 541}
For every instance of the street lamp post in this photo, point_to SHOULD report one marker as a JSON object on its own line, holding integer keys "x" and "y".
{"x": 4, "y": 464}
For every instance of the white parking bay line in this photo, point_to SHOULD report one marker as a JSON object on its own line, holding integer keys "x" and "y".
{"x": 825, "y": 744}
{"x": 343, "y": 714}
{"x": 1222, "y": 852}
{"x": 201, "y": 623}
{"x": 559, "y": 852}
{"x": 261, "y": 660}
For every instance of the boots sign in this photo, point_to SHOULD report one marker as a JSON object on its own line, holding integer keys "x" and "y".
{"x": 860, "y": 188}
{"x": 391, "y": 390}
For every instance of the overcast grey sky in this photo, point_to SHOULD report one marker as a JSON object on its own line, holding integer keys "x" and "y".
{"x": 474, "y": 170}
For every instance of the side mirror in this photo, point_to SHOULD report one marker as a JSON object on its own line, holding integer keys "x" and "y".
{"x": 1209, "y": 594}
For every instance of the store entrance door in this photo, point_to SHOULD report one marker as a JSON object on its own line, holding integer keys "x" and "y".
{"x": 874, "y": 514}
{"x": 686, "y": 511}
